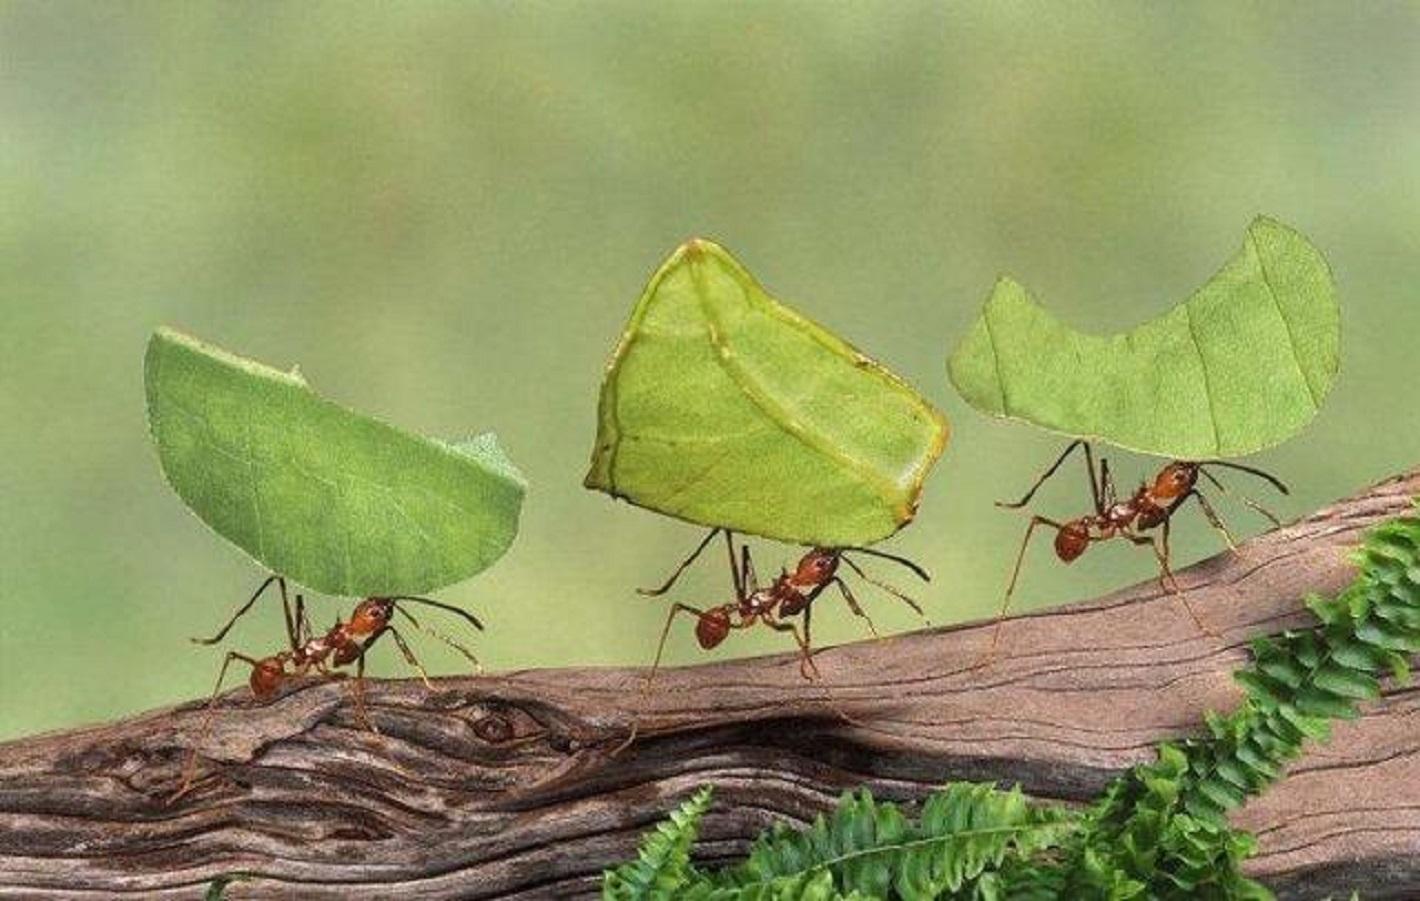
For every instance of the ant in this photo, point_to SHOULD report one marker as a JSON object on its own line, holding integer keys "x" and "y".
{"x": 790, "y": 594}
{"x": 344, "y": 643}
{"x": 1150, "y": 507}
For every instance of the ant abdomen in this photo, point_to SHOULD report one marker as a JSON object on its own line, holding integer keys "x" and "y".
{"x": 1071, "y": 541}
{"x": 712, "y": 627}
{"x": 266, "y": 677}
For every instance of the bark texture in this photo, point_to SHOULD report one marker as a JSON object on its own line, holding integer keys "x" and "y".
{"x": 506, "y": 787}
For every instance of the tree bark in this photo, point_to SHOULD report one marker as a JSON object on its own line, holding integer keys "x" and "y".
{"x": 508, "y": 787}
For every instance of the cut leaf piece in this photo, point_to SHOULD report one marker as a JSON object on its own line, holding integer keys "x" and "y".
{"x": 1241, "y": 365}
{"x": 723, "y": 407}
{"x": 335, "y": 500}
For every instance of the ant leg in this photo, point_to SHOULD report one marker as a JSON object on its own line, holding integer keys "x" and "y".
{"x": 885, "y": 587}
{"x": 685, "y": 564}
{"x": 409, "y": 657}
{"x": 807, "y": 668}
{"x": 357, "y": 688}
{"x": 190, "y": 768}
{"x": 676, "y": 608}
{"x": 429, "y": 630}
{"x": 1215, "y": 520}
{"x": 1011, "y": 586}
{"x": 852, "y": 603}
{"x": 1089, "y": 463}
{"x": 1107, "y": 495}
{"x": 736, "y": 575}
{"x": 303, "y": 622}
{"x": 1167, "y": 580}
{"x": 280, "y": 581}
{"x": 748, "y": 578}
{"x": 1254, "y": 505}
{"x": 357, "y": 685}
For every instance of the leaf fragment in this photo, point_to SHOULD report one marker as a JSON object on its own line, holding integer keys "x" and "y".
{"x": 723, "y": 407}
{"x": 333, "y": 499}
{"x": 1241, "y": 365}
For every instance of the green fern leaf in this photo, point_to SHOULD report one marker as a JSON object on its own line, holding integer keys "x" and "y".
{"x": 662, "y": 866}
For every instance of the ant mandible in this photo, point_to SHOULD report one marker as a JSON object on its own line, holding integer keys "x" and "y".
{"x": 344, "y": 643}
{"x": 1150, "y": 508}
{"x": 790, "y": 594}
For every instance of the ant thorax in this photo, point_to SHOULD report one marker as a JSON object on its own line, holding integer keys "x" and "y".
{"x": 761, "y": 601}
{"x": 315, "y": 649}
{"x": 1123, "y": 512}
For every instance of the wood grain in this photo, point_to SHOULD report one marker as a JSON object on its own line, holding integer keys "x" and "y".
{"x": 506, "y": 787}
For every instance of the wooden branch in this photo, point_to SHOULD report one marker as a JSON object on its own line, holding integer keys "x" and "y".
{"x": 505, "y": 787}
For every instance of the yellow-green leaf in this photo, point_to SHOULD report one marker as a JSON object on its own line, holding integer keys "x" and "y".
{"x": 723, "y": 407}
{"x": 333, "y": 499}
{"x": 1241, "y": 365}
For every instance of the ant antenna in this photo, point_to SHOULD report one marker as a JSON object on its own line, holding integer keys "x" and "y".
{"x": 888, "y": 588}
{"x": 1252, "y": 504}
{"x": 917, "y": 570}
{"x": 457, "y": 611}
{"x": 429, "y": 630}
{"x": 1250, "y": 470}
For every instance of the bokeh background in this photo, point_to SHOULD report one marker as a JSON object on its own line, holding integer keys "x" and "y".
{"x": 444, "y": 213}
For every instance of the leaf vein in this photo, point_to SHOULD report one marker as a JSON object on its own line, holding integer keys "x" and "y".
{"x": 1286, "y": 323}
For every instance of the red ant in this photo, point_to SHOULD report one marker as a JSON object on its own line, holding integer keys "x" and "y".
{"x": 343, "y": 644}
{"x": 1150, "y": 507}
{"x": 790, "y": 594}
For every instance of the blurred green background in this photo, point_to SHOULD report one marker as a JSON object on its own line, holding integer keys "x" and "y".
{"x": 444, "y": 213}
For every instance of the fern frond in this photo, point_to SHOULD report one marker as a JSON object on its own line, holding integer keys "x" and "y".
{"x": 662, "y": 865}
{"x": 870, "y": 847}
{"x": 1163, "y": 828}
{"x": 1159, "y": 833}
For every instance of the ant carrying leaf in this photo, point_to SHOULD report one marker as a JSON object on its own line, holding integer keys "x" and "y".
{"x": 1143, "y": 518}
{"x": 728, "y": 409}
{"x": 334, "y": 499}
{"x": 322, "y": 654}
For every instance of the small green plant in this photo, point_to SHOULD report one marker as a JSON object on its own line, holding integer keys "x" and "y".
{"x": 1158, "y": 832}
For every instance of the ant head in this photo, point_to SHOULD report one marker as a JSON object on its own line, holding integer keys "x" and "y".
{"x": 816, "y": 567}
{"x": 1174, "y": 481}
{"x": 371, "y": 615}
{"x": 1071, "y": 540}
{"x": 712, "y": 627}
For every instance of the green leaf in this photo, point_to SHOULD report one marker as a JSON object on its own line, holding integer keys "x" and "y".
{"x": 662, "y": 865}
{"x": 723, "y": 407}
{"x": 333, "y": 499}
{"x": 1241, "y": 365}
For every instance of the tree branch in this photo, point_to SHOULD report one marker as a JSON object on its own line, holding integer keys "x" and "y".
{"x": 505, "y": 787}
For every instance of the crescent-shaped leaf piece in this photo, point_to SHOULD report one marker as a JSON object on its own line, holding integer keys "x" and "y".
{"x": 1241, "y": 365}
{"x": 333, "y": 499}
{"x": 725, "y": 408}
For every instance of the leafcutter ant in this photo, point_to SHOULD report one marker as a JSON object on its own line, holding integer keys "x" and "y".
{"x": 346, "y": 642}
{"x": 790, "y": 594}
{"x": 1143, "y": 518}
